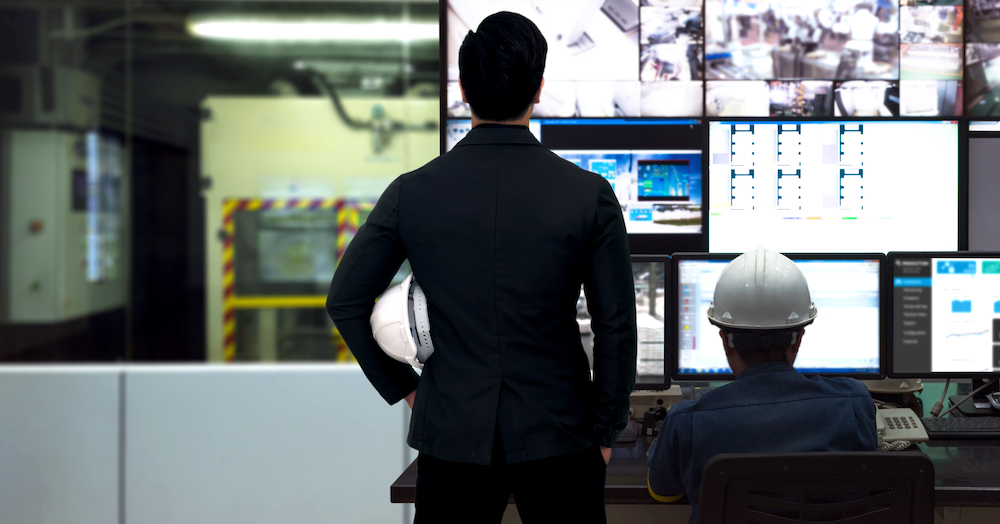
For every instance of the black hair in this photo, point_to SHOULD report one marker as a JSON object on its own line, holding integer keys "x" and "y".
{"x": 501, "y": 65}
{"x": 772, "y": 345}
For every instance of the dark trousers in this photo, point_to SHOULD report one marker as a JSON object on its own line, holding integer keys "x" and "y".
{"x": 565, "y": 488}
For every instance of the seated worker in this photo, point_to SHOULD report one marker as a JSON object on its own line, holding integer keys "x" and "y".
{"x": 761, "y": 306}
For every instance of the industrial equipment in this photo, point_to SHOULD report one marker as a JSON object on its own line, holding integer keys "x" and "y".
{"x": 286, "y": 184}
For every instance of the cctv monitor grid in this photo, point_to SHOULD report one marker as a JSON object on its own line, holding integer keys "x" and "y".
{"x": 656, "y": 173}
{"x": 742, "y": 58}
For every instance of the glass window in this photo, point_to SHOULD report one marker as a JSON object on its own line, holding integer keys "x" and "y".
{"x": 180, "y": 178}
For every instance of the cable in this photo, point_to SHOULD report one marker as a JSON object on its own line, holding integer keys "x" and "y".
{"x": 898, "y": 445}
{"x": 881, "y": 404}
{"x": 967, "y": 397}
{"x": 331, "y": 92}
{"x": 940, "y": 404}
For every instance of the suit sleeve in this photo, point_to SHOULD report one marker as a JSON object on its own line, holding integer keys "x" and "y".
{"x": 367, "y": 268}
{"x": 608, "y": 285}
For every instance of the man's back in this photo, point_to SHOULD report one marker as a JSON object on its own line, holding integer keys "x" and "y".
{"x": 500, "y": 234}
{"x": 769, "y": 408}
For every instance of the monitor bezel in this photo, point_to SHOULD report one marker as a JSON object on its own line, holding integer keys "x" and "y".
{"x": 673, "y": 344}
{"x": 668, "y": 313}
{"x": 888, "y": 281}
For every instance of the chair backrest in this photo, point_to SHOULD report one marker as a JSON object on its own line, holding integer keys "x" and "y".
{"x": 856, "y": 487}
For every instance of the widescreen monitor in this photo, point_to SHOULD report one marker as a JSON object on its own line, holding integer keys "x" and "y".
{"x": 834, "y": 186}
{"x": 747, "y": 58}
{"x": 945, "y": 314}
{"x": 602, "y": 62}
{"x": 822, "y": 58}
{"x": 846, "y": 339}
{"x": 650, "y": 274}
{"x": 654, "y": 167}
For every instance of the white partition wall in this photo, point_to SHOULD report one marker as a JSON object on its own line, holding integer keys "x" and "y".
{"x": 59, "y": 445}
{"x": 259, "y": 444}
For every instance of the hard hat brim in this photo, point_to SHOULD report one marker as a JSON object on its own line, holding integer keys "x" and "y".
{"x": 813, "y": 313}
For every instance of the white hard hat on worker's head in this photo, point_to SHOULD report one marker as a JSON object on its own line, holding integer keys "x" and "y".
{"x": 400, "y": 323}
{"x": 762, "y": 290}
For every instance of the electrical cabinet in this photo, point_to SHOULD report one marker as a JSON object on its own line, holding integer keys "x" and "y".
{"x": 64, "y": 240}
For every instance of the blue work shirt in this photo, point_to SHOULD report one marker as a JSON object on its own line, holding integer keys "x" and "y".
{"x": 769, "y": 408}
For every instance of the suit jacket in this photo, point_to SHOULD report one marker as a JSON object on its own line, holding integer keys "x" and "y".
{"x": 500, "y": 233}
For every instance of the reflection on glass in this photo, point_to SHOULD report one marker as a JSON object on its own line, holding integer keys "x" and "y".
{"x": 187, "y": 164}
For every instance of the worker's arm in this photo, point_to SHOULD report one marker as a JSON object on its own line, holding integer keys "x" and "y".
{"x": 367, "y": 268}
{"x": 611, "y": 303}
{"x": 663, "y": 479}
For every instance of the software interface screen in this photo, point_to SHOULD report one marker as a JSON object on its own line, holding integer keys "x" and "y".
{"x": 833, "y": 186}
{"x": 649, "y": 308}
{"x": 946, "y": 315}
{"x": 653, "y": 166}
{"x": 846, "y": 293}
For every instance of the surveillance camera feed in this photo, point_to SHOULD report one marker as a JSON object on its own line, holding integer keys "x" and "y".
{"x": 982, "y": 58}
{"x": 754, "y": 58}
{"x": 649, "y": 277}
{"x": 843, "y": 58}
{"x": 605, "y": 57}
{"x": 844, "y": 290}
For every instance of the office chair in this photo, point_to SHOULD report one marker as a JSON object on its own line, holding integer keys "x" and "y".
{"x": 855, "y": 487}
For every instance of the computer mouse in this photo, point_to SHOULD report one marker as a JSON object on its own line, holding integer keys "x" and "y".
{"x": 994, "y": 400}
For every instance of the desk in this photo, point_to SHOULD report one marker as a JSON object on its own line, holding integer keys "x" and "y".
{"x": 966, "y": 473}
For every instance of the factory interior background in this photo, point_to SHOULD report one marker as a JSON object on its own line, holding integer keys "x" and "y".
{"x": 193, "y": 137}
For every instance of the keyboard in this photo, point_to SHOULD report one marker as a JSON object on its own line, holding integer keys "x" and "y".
{"x": 962, "y": 428}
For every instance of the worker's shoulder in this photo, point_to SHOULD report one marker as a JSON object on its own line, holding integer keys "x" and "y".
{"x": 843, "y": 385}
{"x": 681, "y": 409}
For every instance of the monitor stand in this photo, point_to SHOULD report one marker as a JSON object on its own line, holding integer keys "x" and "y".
{"x": 976, "y": 406}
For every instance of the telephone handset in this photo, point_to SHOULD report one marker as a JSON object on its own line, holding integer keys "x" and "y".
{"x": 899, "y": 424}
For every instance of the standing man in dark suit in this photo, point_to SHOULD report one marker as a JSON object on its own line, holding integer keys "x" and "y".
{"x": 501, "y": 233}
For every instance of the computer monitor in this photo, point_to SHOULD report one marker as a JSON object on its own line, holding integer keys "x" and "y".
{"x": 601, "y": 63}
{"x": 845, "y": 339}
{"x": 821, "y": 58}
{"x": 984, "y": 184}
{"x": 654, "y": 167}
{"x": 835, "y": 186}
{"x": 945, "y": 315}
{"x": 652, "y": 370}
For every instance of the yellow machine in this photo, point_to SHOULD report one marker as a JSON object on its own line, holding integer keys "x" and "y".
{"x": 287, "y": 181}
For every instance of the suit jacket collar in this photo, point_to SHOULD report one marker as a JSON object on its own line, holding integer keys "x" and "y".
{"x": 484, "y": 134}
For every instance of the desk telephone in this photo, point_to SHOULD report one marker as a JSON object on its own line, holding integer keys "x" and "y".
{"x": 899, "y": 424}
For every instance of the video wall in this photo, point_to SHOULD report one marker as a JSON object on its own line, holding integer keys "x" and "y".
{"x": 754, "y": 58}
{"x": 805, "y": 125}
